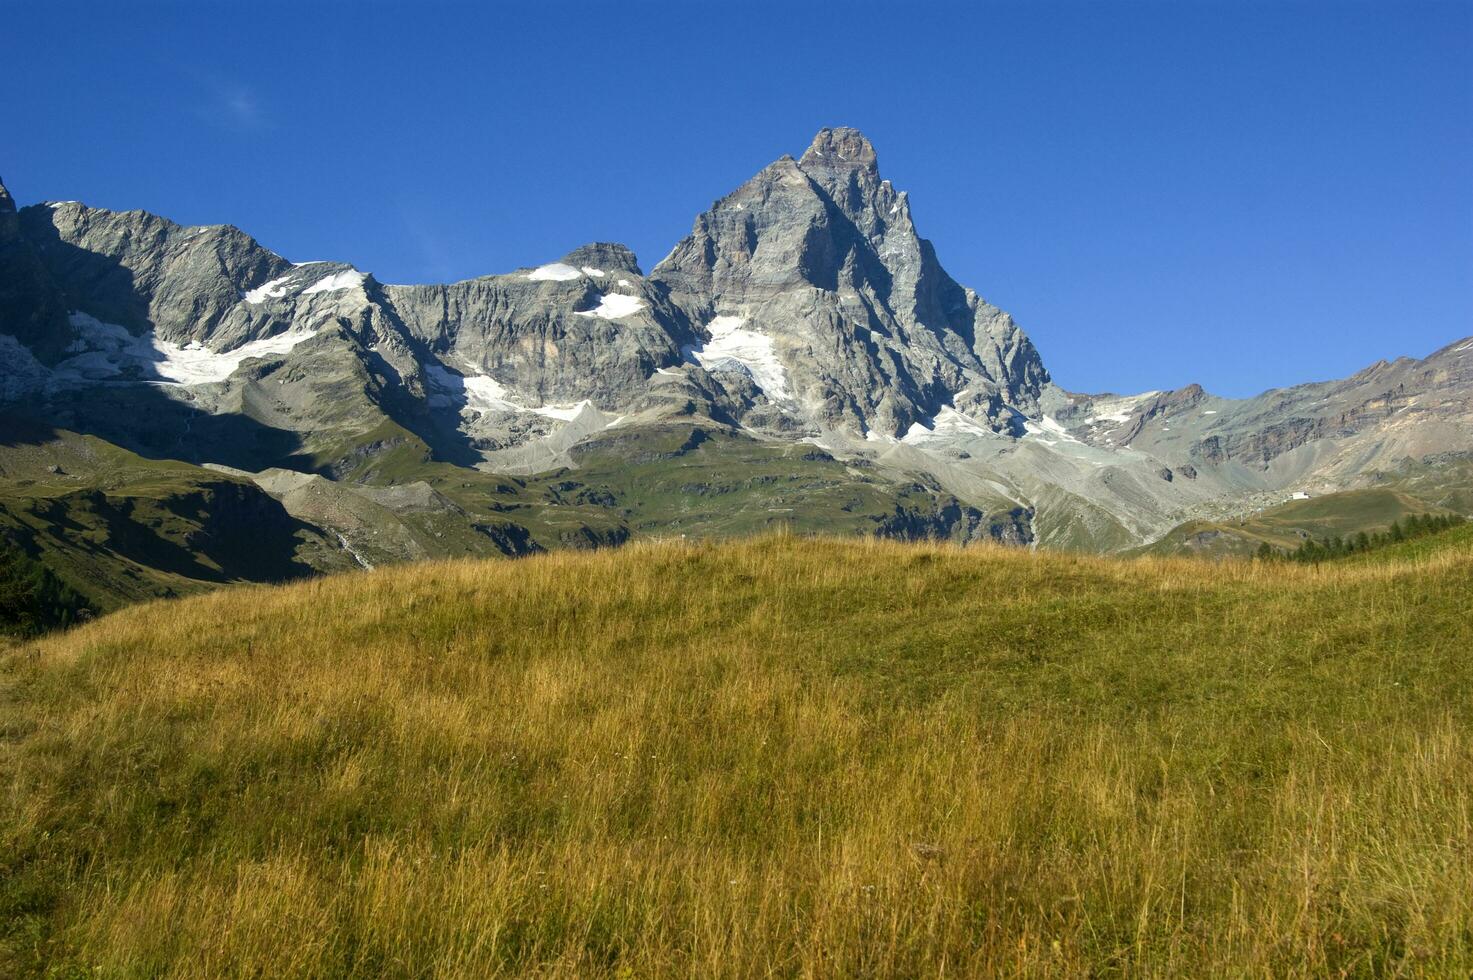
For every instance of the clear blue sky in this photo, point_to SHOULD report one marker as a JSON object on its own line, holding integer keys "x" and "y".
{"x": 1245, "y": 194}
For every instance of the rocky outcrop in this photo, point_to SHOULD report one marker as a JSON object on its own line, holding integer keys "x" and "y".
{"x": 804, "y": 301}
{"x": 818, "y": 263}
{"x": 951, "y": 520}
{"x": 32, "y": 308}
{"x": 587, "y": 327}
{"x": 146, "y": 273}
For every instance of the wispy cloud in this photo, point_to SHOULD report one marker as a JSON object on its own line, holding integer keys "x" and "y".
{"x": 242, "y": 107}
{"x": 230, "y": 104}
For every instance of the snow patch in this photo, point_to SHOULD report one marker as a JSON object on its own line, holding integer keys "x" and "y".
{"x": 563, "y": 413}
{"x": 595, "y": 273}
{"x": 1210, "y": 411}
{"x": 105, "y": 350}
{"x": 948, "y": 423}
{"x": 554, "y": 272}
{"x": 1045, "y": 427}
{"x": 1467, "y": 346}
{"x": 482, "y": 393}
{"x": 733, "y": 345}
{"x": 611, "y": 306}
{"x": 349, "y": 279}
{"x": 624, "y": 283}
{"x": 1118, "y": 409}
{"x": 275, "y": 289}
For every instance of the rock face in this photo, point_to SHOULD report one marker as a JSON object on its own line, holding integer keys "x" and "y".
{"x": 32, "y": 309}
{"x": 585, "y": 328}
{"x": 803, "y": 302}
{"x": 804, "y": 305}
{"x": 818, "y": 267}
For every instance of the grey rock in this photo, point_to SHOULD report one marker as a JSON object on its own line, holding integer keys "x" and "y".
{"x": 551, "y": 335}
{"x": 820, "y": 256}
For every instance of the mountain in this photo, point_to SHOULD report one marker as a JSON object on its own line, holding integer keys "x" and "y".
{"x": 800, "y": 358}
{"x": 812, "y": 276}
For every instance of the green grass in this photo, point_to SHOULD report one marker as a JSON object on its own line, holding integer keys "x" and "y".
{"x": 781, "y": 756}
{"x": 1420, "y": 548}
{"x": 119, "y": 528}
{"x": 1287, "y": 525}
{"x": 708, "y": 481}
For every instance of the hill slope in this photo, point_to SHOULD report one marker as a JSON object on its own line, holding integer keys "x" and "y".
{"x": 774, "y": 756}
{"x": 1287, "y": 525}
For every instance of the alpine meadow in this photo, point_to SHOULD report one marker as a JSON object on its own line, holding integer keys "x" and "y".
{"x": 561, "y": 766}
{"x": 392, "y": 586}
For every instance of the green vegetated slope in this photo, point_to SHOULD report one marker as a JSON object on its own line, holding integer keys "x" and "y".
{"x": 713, "y": 482}
{"x": 1287, "y": 525}
{"x": 1423, "y": 548}
{"x": 779, "y": 756}
{"x": 32, "y": 598}
{"x": 118, "y": 527}
{"x": 1445, "y": 481}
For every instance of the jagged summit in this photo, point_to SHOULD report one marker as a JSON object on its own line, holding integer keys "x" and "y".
{"x": 820, "y": 257}
{"x": 604, "y": 256}
{"x": 7, "y": 203}
{"x": 839, "y": 147}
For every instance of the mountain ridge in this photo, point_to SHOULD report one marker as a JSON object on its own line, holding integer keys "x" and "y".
{"x": 803, "y": 310}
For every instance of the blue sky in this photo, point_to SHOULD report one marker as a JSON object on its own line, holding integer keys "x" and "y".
{"x": 1244, "y": 194}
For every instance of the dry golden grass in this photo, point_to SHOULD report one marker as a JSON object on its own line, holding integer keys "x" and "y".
{"x": 772, "y": 757}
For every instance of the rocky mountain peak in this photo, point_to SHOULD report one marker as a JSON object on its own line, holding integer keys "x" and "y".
{"x": 604, "y": 256}
{"x": 7, "y": 203}
{"x": 818, "y": 262}
{"x": 839, "y": 148}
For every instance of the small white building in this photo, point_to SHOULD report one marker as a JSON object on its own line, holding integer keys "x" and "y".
{"x": 1299, "y": 495}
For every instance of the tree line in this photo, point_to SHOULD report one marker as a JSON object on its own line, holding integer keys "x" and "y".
{"x": 1330, "y": 548}
{"x": 32, "y": 599}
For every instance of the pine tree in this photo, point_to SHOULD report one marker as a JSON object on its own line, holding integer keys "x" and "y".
{"x": 32, "y": 599}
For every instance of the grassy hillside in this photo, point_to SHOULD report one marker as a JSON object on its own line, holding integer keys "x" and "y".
{"x": 769, "y": 757}
{"x": 32, "y": 599}
{"x": 119, "y": 528}
{"x": 714, "y": 482}
{"x": 1425, "y": 548}
{"x": 1287, "y": 525}
{"x": 1445, "y": 480}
